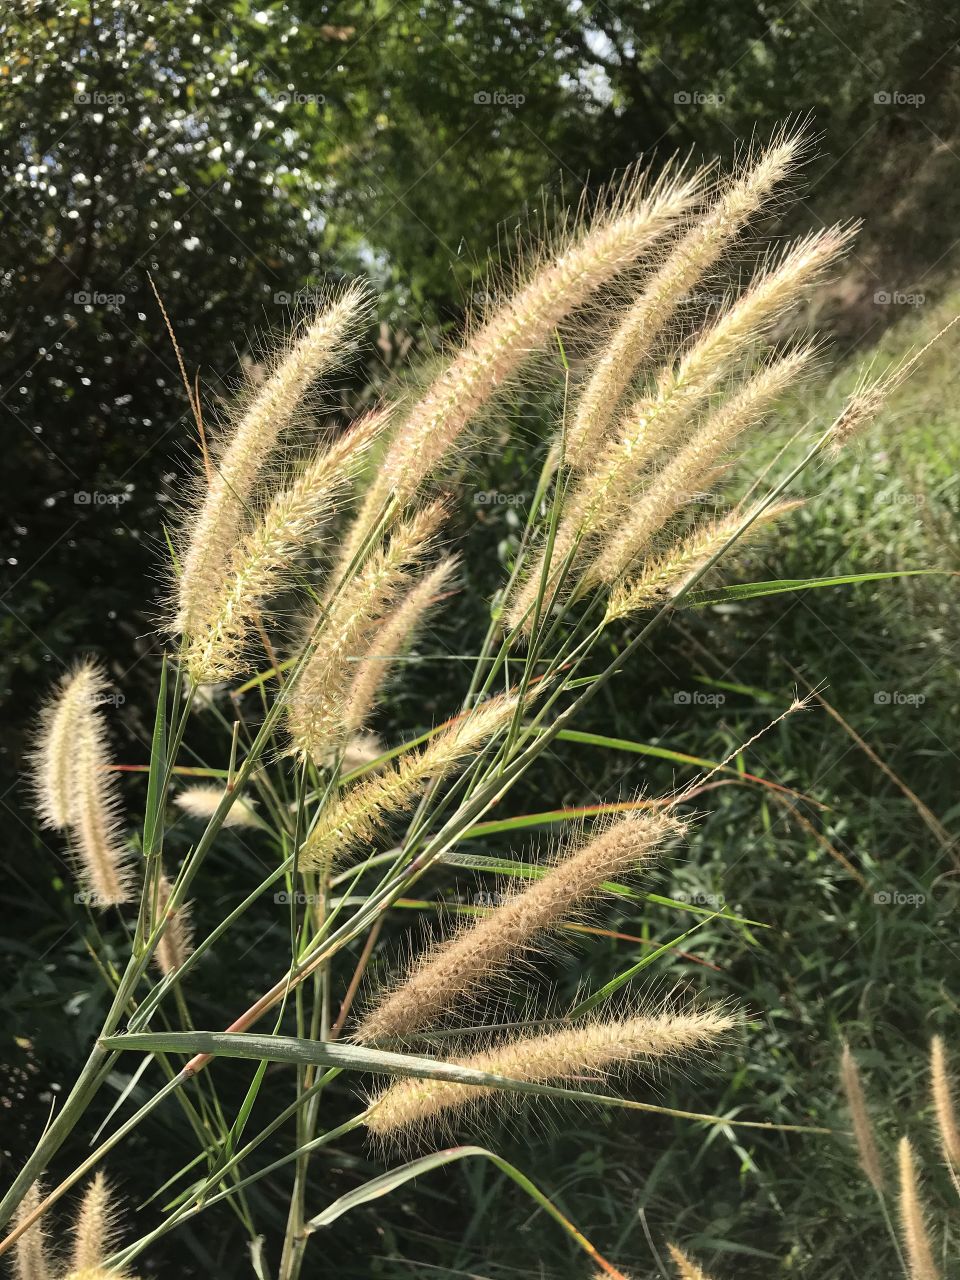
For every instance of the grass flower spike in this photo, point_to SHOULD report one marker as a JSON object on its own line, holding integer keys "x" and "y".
{"x": 361, "y": 813}
{"x": 479, "y": 952}
{"x": 862, "y": 1128}
{"x": 202, "y": 802}
{"x": 592, "y": 1050}
{"x": 214, "y": 530}
{"x": 687, "y": 1269}
{"x": 695, "y": 253}
{"x": 915, "y": 1239}
{"x": 396, "y": 632}
{"x": 75, "y": 788}
{"x": 261, "y": 563}
{"x": 943, "y": 1103}
{"x": 663, "y": 579}
{"x": 31, "y": 1261}
{"x": 175, "y": 944}
{"x": 319, "y": 704}
{"x": 61, "y": 721}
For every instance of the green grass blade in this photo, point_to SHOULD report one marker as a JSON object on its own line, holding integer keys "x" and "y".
{"x": 780, "y": 586}
{"x": 152, "y": 822}
{"x": 395, "y": 1178}
{"x": 629, "y": 974}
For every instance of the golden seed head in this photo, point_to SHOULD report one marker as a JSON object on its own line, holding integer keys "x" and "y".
{"x": 867, "y": 1150}
{"x": 593, "y": 1050}
{"x": 916, "y": 1241}
{"x": 477, "y": 954}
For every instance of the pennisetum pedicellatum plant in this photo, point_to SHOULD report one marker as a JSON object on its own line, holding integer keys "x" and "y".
{"x": 666, "y": 396}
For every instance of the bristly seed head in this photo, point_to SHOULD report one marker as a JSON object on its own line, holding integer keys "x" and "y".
{"x": 594, "y": 1050}
{"x": 479, "y": 952}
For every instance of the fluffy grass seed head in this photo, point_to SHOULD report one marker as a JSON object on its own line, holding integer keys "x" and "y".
{"x": 593, "y": 1050}
{"x": 585, "y": 259}
{"x": 943, "y": 1103}
{"x": 395, "y": 634}
{"x": 664, "y": 578}
{"x": 916, "y": 1241}
{"x": 214, "y": 528}
{"x": 95, "y": 1229}
{"x": 177, "y": 940}
{"x": 261, "y": 563}
{"x": 360, "y": 814}
{"x": 30, "y": 1258}
{"x": 680, "y": 480}
{"x": 604, "y": 496}
{"x": 479, "y": 952}
{"x": 202, "y": 802}
{"x": 75, "y": 788}
{"x": 52, "y": 759}
{"x": 863, "y": 1134}
{"x": 694, "y": 254}
{"x": 687, "y": 1269}
{"x": 595, "y": 253}
{"x": 318, "y": 703}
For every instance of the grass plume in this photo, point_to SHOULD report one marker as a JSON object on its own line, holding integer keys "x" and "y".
{"x": 479, "y": 952}
{"x": 318, "y": 704}
{"x": 913, "y": 1227}
{"x": 214, "y": 529}
{"x": 943, "y": 1103}
{"x": 867, "y": 1151}
{"x": 592, "y": 1050}
{"x": 361, "y": 813}
{"x": 695, "y": 253}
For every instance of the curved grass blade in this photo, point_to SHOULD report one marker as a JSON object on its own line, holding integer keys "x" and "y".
{"x": 389, "y": 1182}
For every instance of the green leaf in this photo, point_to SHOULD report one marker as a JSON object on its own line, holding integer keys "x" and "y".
{"x": 153, "y": 817}
{"x": 395, "y": 1178}
{"x": 780, "y": 586}
{"x": 627, "y": 975}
